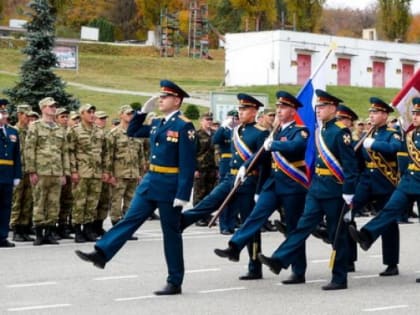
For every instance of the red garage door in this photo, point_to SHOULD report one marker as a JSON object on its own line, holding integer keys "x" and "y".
{"x": 343, "y": 71}
{"x": 378, "y": 74}
{"x": 407, "y": 72}
{"x": 303, "y": 68}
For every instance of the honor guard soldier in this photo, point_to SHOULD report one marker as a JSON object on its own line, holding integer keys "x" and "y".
{"x": 223, "y": 139}
{"x": 47, "y": 162}
{"x": 332, "y": 186}
{"x": 22, "y": 205}
{"x": 407, "y": 191}
{"x": 286, "y": 187}
{"x": 380, "y": 177}
{"x": 248, "y": 137}
{"x": 10, "y": 171}
{"x": 166, "y": 186}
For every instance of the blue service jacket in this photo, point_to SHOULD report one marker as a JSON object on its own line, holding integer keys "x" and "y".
{"x": 223, "y": 138}
{"x": 10, "y": 164}
{"x": 172, "y": 145}
{"x": 410, "y": 179}
{"x": 388, "y": 144}
{"x": 338, "y": 140}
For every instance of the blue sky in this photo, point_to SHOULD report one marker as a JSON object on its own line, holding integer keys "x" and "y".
{"x": 361, "y": 4}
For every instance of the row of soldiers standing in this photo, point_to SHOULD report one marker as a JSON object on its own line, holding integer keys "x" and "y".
{"x": 73, "y": 175}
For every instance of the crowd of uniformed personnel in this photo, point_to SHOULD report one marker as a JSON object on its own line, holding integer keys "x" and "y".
{"x": 75, "y": 176}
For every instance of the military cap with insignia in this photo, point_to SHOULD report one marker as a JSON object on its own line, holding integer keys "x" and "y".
{"x": 344, "y": 111}
{"x": 416, "y": 104}
{"x": 246, "y": 100}
{"x": 126, "y": 109}
{"x": 101, "y": 114}
{"x": 33, "y": 114}
{"x": 61, "y": 111}
{"x": 3, "y": 103}
{"x": 169, "y": 88}
{"x": 74, "y": 115}
{"x": 46, "y": 101}
{"x": 207, "y": 116}
{"x": 23, "y": 108}
{"x": 233, "y": 113}
{"x": 287, "y": 99}
{"x": 86, "y": 107}
{"x": 378, "y": 105}
{"x": 324, "y": 98}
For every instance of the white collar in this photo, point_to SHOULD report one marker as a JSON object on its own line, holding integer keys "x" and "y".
{"x": 284, "y": 126}
{"x": 168, "y": 116}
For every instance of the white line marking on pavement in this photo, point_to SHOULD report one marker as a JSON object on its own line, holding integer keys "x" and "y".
{"x": 385, "y": 308}
{"x": 365, "y": 276}
{"x": 222, "y": 290}
{"x": 34, "y": 284}
{"x": 375, "y": 256}
{"x": 115, "y": 278}
{"x": 319, "y": 261}
{"x": 202, "y": 270}
{"x": 37, "y": 307}
{"x": 144, "y": 297}
{"x": 308, "y": 281}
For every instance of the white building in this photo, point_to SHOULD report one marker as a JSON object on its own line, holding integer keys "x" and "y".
{"x": 287, "y": 57}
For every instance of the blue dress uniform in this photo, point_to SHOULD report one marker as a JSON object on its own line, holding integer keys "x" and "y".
{"x": 377, "y": 183}
{"x": 223, "y": 138}
{"x": 407, "y": 191}
{"x": 324, "y": 198}
{"x": 170, "y": 176}
{"x": 286, "y": 187}
{"x": 249, "y": 138}
{"x": 10, "y": 169}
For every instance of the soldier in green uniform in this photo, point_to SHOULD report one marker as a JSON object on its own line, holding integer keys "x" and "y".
{"x": 89, "y": 165}
{"x": 127, "y": 160}
{"x": 22, "y": 205}
{"x": 66, "y": 198}
{"x": 46, "y": 159}
{"x": 205, "y": 176}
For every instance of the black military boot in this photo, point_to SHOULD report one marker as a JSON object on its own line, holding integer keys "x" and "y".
{"x": 49, "y": 236}
{"x": 39, "y": 236}
{"x": 64, "y": 231}
{"x": 88, "y": 232}
{"x": 54, "y": 232}
{"x": 79, "y": 237}
{"x": 26, "y": 230}
{"x": 17, "y": 233}
{"x": 98, "y": 227}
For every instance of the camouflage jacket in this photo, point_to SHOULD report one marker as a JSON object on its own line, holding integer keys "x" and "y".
{"x": 22, "y": 137}
{"x": 205, "y": 150}
{"x": 45, "y": 150}
{"x": 126, "y": 154}
{"x": 88, "y": 151}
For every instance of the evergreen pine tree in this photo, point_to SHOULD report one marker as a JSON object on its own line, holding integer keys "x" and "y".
{"x": 37, "y": 80}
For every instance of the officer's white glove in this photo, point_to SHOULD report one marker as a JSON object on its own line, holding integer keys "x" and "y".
{"x": 268, "y": 143}
{"x": 347, "y": 216}
{"x": 256, "y": 197}
{"x": 1, "y": 116}
{"x": 367, "y": 144}
{"x": 179, "y": 203}
{"x": 227, "y": 123}
{"x": 241, "y": 176}
{"x": 348, "y": 199}
{"x": 150, "y": 104}
{"x": 16, "y": 182}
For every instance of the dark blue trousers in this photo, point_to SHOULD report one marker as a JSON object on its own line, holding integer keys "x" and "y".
{"x": 6, "y": 192}
{"x": 391, "y": 213}
{"x": 315, "y": 209}
{"x": 140, "y": 210}
{"x": 267, "y": 203}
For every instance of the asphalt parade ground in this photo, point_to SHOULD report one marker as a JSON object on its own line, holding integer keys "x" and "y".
{"x": 50, "y": 279}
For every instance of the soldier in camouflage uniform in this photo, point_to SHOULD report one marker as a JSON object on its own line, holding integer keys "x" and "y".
{"x": 105, "y": 197}
{"x": 32, "y": 116}
{"x": 21, "y": 216}
{"x": 66, "y": 198}
{"x": 47, "y": 162}
{"x": 89, "y": 167}
{"x": 205, "y": 176}
{"x": 127, "y": 160}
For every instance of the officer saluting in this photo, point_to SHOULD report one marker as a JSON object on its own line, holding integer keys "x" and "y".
{"x": 10, "y": 172}
{"x": 332, "y": 184}
{"x": 407, "y": 191}
{"x": 166, "y": 186}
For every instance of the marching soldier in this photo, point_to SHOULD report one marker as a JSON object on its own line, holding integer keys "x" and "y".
{"x": 166, "y": 186}
{"x": 66, "y": 198}
{"x": 89, "y": 166}
{"x": 286, "y": 186}
{"x": 407, "y": 191}
{"x": 223, "y": 139}
{"x": 46, "y": 159}
{"x": 248, "y": 137}
{"x": 10, "y": 171}
{"x": 127, "y": 160}
{"x": 22, "y": 205}
{"x": 205, "y": 174}
{"x": 379, "y": 177}
{"x": 332, "y": 187}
